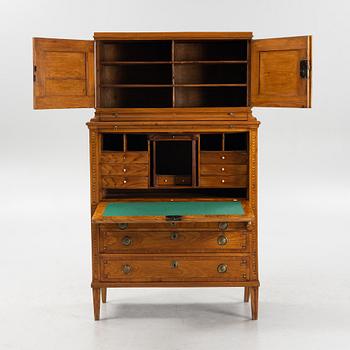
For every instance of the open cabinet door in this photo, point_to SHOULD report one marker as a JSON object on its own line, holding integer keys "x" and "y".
{"x": 281, "y": 72}
{"x": 63, "y": 73}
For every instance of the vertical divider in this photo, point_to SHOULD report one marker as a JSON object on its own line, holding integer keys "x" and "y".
{"x": 223, "y": 142}
{"x": 125, "y": 144}
{"x": 173, "y": 70}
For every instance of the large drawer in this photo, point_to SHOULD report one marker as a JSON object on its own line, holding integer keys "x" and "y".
{"x": 172, "y": 241}
{"x": 224, "y": 181}
{"x": 232, "y": 157}
{"x": 124, "y": 182}
{"x": 124, "y": 157}
{"x": 127, "y": 169}
{"x": 174, "y": 268}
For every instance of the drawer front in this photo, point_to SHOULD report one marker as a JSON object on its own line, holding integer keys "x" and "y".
{"x": 174, "y": 226}
{"x": 234, "y": 157}
{"x": 224, "y": 181}
{"x": 124, "y": 182}
{"x": 223, "y": 169}
{"x": 171, "y": 241}
{"x": 174, "y": 268}
{"x": 124, "y": 157}
{"x": 169, "y": 180}
{"x": 124, "y": 169}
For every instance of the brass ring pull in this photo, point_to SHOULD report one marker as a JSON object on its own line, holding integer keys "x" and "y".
{"x": 126, "y": 268}
{"x": 126, "y": 240}
{"x": 222, "y": 240}
{"x": 222, "y": 268}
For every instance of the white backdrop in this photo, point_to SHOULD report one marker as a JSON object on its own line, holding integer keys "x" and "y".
{"x": 304, "y": 172}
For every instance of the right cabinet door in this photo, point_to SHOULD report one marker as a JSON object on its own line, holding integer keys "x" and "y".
{"x": 281, "y": 72}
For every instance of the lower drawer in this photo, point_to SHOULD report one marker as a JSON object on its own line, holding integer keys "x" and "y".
{"x": 174, "y": 268}
{"x": 224, "y": 181}
{"x": 172, "y": 241}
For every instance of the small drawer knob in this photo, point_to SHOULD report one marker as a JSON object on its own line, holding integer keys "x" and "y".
{"x": 124, "y": 157}
{"x": 126, "y": 269}
{"x": 222, "y": 268}
{"x": 165, "y": 180}
{"x": 126, "y": 240}
{"x": 174, "y": 264}
{"x": 124, "y": 170}
{"x": 222, "y": 240}
{"x": 222, "y": 181}
{"x": 125, "y": 181}
{"x": 223, "y": 157}
{"x": 174, "y": 236}
{"x": 222, "y": 169}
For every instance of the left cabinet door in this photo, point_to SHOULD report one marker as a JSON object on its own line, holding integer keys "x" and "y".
{"x": 63, "y": 73}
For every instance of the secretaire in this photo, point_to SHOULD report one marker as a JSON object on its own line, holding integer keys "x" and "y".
{"x": 173, "y": 148}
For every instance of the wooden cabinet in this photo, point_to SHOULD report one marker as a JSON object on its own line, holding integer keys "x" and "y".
{"x": 173, "y": 148}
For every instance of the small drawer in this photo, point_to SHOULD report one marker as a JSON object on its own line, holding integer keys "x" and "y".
{"x": 237, "y": 181}
{"x": 234, "y": 157}
{"x": 173, "y": 180}
{"x": 124, "y": 157}
{"x": 172, "y": 241}
{"x": 133, "y": 268}
{"x": 124, "y": 169}
{"x": 173, "y": 225}
{"x": 124, "y": 182}
{"x": 223, "y": 169}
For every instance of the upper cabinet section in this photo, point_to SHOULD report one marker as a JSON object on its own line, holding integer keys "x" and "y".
{"x": 281, "y": 72}
{"x": 172, "y": 71}
{"x": 63, "y": 73}
{"x": 182, "y": 72}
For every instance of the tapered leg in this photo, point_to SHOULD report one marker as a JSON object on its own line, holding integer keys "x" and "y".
{"x": 246, "y": 294}
{"x": 96, "y": 296}
{"x": 254, "y": 299}
{"x": 104, "y": 294}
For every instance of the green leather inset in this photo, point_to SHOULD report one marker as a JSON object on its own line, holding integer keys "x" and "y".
{"x": 173, "y": 208}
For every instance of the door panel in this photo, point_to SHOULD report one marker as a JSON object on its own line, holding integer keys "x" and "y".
{"x": 278, "y": 79}
{"x": 63, "y": 73}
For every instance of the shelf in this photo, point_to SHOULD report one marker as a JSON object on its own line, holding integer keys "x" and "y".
{"x": 167, "y": 85}
{"x": 212, "y": 62}
{"x": 107, "y": 63}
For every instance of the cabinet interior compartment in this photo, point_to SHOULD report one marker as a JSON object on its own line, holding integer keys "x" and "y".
{"x": 136, "y": 74}
{"x": 173, "y": 159}
{"x": 211, "y": 50}
{"x": 233, "y": 96}
{"x": 210, "y": 73}
{"x": 143, "y": 50}
{"x": 112, "y": 142}
{"x": 211, "y": 142}
{"x": 137, "y": 142}
{"x": 237, "y": 141}
{"x": 136, "y": 97}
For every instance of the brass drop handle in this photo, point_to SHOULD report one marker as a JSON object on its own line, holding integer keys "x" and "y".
{"x": 174, "y": 264}
{"x": 222, "y": 240}
{"x": 222, "y": 268}
{"x": 126, "y": 268}
{"x": 174, "y": 236}
{"x": 223, "y": 226}
{"x": 123, "y": 225}
{"x": 126, "y": 240}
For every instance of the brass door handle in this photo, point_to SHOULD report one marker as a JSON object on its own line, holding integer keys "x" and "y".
{"x": 222, "y": 268}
